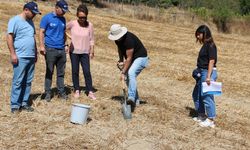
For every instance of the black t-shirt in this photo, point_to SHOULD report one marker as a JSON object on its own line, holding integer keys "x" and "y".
{"x": 131, "y": 41}
{"x": 207, "y": 52}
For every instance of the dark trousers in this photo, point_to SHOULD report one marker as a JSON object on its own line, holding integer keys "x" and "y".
{"x": 55, "y": 57}
{"x": 82, "y": 59}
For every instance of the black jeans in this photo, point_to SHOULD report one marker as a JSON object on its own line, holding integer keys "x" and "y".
{"x": 76, "y": 59}
{"x": 55, "y": 57}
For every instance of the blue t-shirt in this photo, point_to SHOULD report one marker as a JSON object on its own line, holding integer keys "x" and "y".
{"x": 23, "y": 32}
{"x": 54, "y": 30}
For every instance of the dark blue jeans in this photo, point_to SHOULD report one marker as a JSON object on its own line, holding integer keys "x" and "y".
{"x": 82, "y": 59}
{"x": 55, "y": 57}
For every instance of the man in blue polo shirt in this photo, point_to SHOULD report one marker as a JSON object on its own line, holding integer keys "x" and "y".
{"x": 23, "y": 53}
{"x": 52, "y": 39}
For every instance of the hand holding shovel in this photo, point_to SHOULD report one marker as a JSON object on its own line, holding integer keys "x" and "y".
{"x": 120, "y": 65}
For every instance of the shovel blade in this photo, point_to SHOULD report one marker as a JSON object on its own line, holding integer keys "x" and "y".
{"x": 126, "y": 110}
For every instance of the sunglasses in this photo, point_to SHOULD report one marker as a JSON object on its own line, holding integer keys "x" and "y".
{"x": 83, "y": 18}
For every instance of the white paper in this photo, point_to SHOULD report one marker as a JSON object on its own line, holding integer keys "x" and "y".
{"x": 214, "y": 88}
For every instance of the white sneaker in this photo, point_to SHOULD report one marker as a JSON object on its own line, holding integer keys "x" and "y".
{"x": 207, "y": 123}
{"x": 199, "y": 118}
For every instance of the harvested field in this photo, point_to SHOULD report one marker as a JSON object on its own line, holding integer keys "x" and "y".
{"x": 163, "y": 123}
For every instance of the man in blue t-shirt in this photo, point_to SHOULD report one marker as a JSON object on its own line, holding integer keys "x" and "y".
{"x": 23, "y": 53}
{"x": 52, "y": 39}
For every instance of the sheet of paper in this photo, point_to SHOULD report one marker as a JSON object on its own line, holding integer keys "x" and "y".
{"x": 214, "y": 88}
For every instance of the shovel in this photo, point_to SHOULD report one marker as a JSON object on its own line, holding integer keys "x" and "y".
{"x": 126, "y": 109}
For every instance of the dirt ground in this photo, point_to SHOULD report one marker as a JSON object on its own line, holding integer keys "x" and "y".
{"x": 163, "y": 122}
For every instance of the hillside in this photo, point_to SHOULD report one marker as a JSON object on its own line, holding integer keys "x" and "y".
{"x": 164, "y": 122}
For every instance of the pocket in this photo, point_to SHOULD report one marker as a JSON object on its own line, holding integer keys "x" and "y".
{"x": 196, "y": 74}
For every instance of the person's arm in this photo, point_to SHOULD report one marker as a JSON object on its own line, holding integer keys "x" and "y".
{"x": 69, "y": 26}
{"x": 92, "y": 52}
{"x": 41, "y": 41}
{"x": 66, "y": 45}
{"x": 128, "y": 61}
{"x": 35, "y": 45}
{"x": 120, "y": 63}
{"x": 120, "y": 56}
{"x": 10, "y": 43}
{"x": 209, "y": 71}
{"x": 68, "y": 35}
{"x": 35, "y": 50}
{"x": 212, "y": 54}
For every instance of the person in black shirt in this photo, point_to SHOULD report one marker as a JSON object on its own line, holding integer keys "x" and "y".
{"x": 132, "y": 56}
{"x": 206, "y": 64}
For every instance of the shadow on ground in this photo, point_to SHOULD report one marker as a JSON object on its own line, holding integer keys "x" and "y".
{"x": 192, "y": 112}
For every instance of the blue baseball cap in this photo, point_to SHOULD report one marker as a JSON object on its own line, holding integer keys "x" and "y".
{"x": 63, "y": 5}
{"x": 32, "y": 6}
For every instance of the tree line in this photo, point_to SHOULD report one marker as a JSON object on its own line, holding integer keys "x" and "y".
{"x": 221, "y": 11}
{"x": 236, "y": 6}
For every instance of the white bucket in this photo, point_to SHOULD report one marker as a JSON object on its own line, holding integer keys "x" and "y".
{"x": 79, "y": 113}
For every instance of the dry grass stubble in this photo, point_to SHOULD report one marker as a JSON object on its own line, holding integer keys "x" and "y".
{"x": 166, "y": 85}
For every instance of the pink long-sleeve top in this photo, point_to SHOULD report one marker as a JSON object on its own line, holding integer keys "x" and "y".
{"x": 82, "y": 38}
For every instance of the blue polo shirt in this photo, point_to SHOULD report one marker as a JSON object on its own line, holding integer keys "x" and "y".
{"x": 23, "y": 32}
{"x": 54, "y": 30}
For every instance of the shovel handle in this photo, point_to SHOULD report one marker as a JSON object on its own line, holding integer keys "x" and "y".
{"x": 124, "y": 92}
{"x": 123, "y": 85}
{"x": 120, "y": 65}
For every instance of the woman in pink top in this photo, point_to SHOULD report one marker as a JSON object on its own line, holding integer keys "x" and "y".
{"x": 81, "y": 50}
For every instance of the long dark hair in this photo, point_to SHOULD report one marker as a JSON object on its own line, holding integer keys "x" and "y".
{"x": 84, "y": 9}
{"x": 207, "y": 35}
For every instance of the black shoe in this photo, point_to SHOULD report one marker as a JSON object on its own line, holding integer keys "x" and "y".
{"x": 132, "y": 103}
{"x": 63, "y": 96}
{"x": 48, "y": 97}
{"x": 15, "y": 110}
{"x": 27, "y": 108}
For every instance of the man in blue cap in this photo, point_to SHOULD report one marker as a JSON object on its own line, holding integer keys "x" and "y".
{"x": 52, "y": 46}
{"x": 23, "y": 54}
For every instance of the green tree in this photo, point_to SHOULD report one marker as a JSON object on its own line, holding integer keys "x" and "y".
{"x": 222, "y": 15}
{"x": 245, "y": 7}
